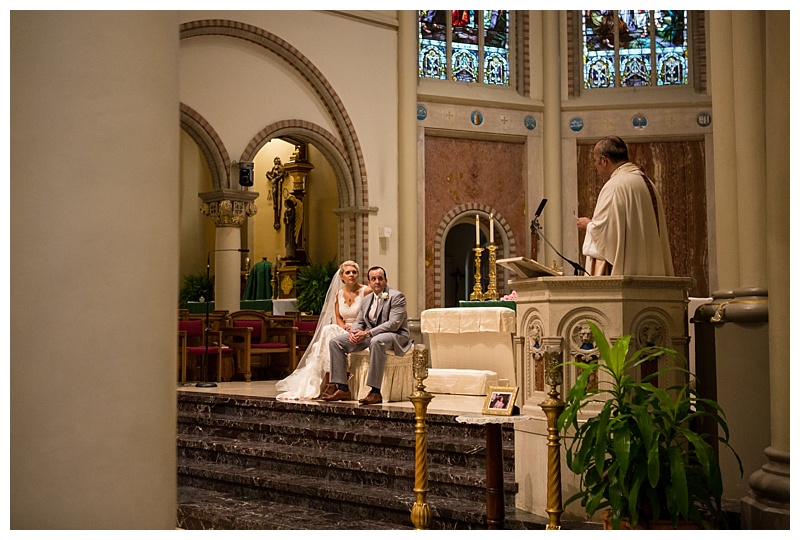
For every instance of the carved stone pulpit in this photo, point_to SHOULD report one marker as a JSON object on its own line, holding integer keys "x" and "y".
{"x": 653, "y": 310}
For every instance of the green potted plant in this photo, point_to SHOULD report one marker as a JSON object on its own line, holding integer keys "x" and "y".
{"x": 641, "y": 456}
{"x": 312, "y": 284}
{"x": 195, "y": 286}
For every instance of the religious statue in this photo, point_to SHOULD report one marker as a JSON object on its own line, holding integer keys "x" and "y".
{"x": 293, "y": 219}
{"x": 275, "y": 177}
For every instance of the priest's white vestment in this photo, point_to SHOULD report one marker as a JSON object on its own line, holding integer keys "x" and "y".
{"x": 624, "y": 230}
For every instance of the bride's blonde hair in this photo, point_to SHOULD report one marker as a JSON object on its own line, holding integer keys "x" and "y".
{"x": 348, "y": 263}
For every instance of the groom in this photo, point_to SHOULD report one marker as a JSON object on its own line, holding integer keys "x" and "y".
{"x": 381, "y": 324}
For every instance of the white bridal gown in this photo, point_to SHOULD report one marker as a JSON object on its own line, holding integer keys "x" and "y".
{"x": 305, "y": 381}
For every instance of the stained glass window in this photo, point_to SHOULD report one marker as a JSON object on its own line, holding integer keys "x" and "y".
{"x": 465, "y": 45}
{"x": 634, "y": 48}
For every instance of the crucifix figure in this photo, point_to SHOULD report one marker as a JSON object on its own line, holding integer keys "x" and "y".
{"x": 275, "y": 177}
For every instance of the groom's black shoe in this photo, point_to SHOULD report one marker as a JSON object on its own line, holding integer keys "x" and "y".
{"x": 339, "y": 395}
{"x": 371, "y": 399}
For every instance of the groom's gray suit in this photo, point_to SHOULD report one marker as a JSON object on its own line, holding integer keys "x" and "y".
{"x": 388, "y": 330}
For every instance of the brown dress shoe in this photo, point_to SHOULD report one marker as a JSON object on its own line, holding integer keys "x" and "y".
{"x": 339, "y": 395}
{"x": 371, "y": 399}
{"x": 329, "y": 390}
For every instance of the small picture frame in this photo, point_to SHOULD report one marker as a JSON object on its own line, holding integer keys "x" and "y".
{"x": 500, "y": 400}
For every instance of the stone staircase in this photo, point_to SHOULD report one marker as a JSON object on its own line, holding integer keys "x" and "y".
{"x": 257, "y": 463}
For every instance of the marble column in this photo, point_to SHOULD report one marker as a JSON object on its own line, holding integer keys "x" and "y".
{"x": 725, "y": 185}
{"x": 94, "y": 235}
{"x": 750, "y": 97}
{"x": 767, "y": 504}
{"x": 552, "y": 217}
{"x": 751, "y": 167}
{"x": 410, "y": 237}
{"x": 229, "y": 209}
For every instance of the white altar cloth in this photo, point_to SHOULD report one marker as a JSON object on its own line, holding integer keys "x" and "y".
{"x": 470, "y": 382}
{"x": 472, "y": 339}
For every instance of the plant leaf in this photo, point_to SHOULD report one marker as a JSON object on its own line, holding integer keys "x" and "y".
{"x": 678, "y": 477}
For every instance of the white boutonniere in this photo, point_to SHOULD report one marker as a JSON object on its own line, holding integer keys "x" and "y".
{"x": 384, "y": 296}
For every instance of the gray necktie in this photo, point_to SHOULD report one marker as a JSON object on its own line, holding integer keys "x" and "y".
{"x": 376, "y": 307}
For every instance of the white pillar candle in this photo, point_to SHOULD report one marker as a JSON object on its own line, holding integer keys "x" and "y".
{"x": 491, "y": 228}
{"x": 477, "y": 231}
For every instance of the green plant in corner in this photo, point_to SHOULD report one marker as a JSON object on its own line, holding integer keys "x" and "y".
{"x": 312, "y": 284}
{"x": 194, "y": 286}
{"x": 641, "y": 456}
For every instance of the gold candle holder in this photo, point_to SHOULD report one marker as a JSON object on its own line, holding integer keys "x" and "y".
{"x": 491, "y": 290}
{"x": 421, "y": 513}
{"x": 477, "y": 293}
{"x": 553, "y": 406}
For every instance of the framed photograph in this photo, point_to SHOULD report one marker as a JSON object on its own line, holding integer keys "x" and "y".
{"x": 500, "y": 400}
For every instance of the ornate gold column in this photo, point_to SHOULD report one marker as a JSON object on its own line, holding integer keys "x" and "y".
{"x": 228, "y": 209}
{"x": 421, "y": 514}
{"x": 553, "y": 406}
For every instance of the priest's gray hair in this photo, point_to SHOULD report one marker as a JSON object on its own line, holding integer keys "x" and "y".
{"x": 614, "y": 148}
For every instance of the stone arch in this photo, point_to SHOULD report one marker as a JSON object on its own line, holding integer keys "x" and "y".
{"x": 507, "y": 242}
{"x": 333, "y": 151}
{"x": 353, "y": 222}
{"x": 210, "y": 145}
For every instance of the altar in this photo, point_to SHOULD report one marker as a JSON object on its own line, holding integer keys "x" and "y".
{"x": 471, "y": 349}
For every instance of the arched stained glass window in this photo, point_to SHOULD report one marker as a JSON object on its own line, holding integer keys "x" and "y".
{"x": 465, "y": 45}
{"x": 634, "y": 48}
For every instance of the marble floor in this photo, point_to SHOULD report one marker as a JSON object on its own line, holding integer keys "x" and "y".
{"x": 441, "y": 403}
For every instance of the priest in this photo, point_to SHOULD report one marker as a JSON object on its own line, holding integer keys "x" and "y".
{"x": 627, "y": 234}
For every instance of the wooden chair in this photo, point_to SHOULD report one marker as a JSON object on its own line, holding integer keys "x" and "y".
{"x": 281, "y": 321}
{"x": 306, "y": 327}
{"x": 216, "y": 318}
{"x": 190, "y": 343}
{"x": 256, "y": 339}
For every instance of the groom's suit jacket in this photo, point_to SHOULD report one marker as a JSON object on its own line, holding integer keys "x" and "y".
{"x": 392, "y": 318}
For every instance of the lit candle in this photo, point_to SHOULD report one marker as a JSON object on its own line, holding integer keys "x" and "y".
{"x": 477, "y": 231}
{"x": 491, "y": 228}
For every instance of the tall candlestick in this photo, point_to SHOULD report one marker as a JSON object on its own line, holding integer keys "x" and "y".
{"x": 477, "y": 230}
{"x": 491, "y": 228}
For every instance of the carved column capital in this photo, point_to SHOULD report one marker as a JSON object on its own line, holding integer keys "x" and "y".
{"x": 228, "y": 207}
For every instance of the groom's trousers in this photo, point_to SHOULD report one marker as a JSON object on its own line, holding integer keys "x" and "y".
{"x": 340, "y": 346}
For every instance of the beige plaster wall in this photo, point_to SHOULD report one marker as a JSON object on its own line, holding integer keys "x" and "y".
{"x": 94, "y": 268}
{"x": 240, "y": 88}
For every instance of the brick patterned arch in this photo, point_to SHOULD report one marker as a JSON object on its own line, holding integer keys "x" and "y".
{"x": 353, "y": 215}
{"x": 333, "y": 151}
{"x": 210, "y": 145}
{"x": 504, "y": 238}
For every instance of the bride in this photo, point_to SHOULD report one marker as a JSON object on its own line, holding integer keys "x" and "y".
{"x": 342, "y": 305}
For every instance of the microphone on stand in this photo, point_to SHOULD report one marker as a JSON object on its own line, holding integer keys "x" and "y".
{"x": 536, "y": 228}
{"x": 539, "y": 210}
{"x": 205, "y": 383}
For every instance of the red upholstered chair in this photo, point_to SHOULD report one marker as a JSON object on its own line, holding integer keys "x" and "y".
{"x": 305, "y": 331}
{"x": 190, "y": 343}
{"x": 256, "y": 340}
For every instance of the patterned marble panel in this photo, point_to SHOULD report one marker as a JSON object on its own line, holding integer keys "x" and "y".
{"x": 678, "y": 170}
{"x": 462, "y": 171}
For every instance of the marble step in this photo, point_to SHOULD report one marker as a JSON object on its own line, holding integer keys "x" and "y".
{"x": 448, "y": 448}
{"x": 202, "y": 509}
{"x": 363, "y": 468}
{"x": 336, "y": 414}
{"x": 376, "y": 503}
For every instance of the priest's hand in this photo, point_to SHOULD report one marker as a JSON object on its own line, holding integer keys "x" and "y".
{"x": 583, "y": 222}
